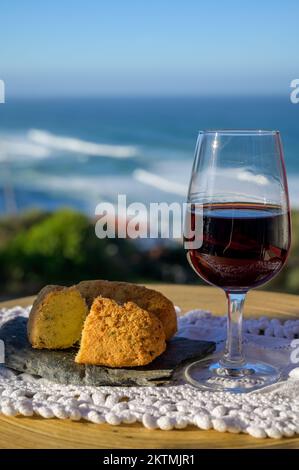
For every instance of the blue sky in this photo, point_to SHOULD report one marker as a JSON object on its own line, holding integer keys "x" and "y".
{"x": 132, "y": 47}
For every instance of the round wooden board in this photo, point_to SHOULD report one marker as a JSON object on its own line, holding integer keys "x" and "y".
{"x": 21, "y": 432}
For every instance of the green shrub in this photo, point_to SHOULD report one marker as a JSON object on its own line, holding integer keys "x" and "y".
{"x": 58, "y": 248}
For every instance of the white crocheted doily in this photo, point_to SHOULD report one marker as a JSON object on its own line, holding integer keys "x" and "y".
{"x": 269, "y": 413}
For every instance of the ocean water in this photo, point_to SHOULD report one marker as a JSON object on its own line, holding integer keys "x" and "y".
{"x": 79, "y": 152}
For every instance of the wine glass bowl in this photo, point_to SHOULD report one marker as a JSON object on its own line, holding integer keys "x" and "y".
{"x": 237, "y": 237}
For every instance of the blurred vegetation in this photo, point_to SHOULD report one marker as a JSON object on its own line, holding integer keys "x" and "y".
{"x": 39, "y": 248}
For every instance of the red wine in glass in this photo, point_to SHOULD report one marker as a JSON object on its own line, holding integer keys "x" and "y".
{"x": 237, "y": 237}
{"x": 242, "y": 245}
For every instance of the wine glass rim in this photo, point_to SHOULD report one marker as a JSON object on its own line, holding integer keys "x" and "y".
{"x": 240, "y": 131}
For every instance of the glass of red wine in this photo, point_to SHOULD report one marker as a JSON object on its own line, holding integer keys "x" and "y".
{"x": 237, "y": 237}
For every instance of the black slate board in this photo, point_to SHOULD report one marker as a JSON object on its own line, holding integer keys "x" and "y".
{"x": 59, "y": 365}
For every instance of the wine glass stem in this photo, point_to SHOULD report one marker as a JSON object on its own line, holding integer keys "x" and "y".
{"x": 233, "y": 352}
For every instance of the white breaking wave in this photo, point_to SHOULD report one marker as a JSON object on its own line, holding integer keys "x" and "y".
{"x": 293, "y": 183}
{"x": 17, "y": 148}
{"x": 85, "y": 187}
{"x": 71, "y": 144}
{"x": 159, "y": 182}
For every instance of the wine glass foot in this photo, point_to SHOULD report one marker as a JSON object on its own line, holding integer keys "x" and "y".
{"x": 211, "y": 375}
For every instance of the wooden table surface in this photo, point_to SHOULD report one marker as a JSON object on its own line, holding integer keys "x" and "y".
{"x": 21, "y": 432}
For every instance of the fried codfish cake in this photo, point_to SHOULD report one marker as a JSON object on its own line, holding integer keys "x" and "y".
{"x": 56, "y": 318}
{"x": 120, "y": 336}
{"x": 121, "y": 292}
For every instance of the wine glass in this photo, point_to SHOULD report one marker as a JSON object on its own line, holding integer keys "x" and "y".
{"x": 237, "y": 237}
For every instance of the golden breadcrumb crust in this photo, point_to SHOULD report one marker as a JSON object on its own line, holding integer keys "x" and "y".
{"x": 120, "y": 336}
{"x": 121, "y": 292}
